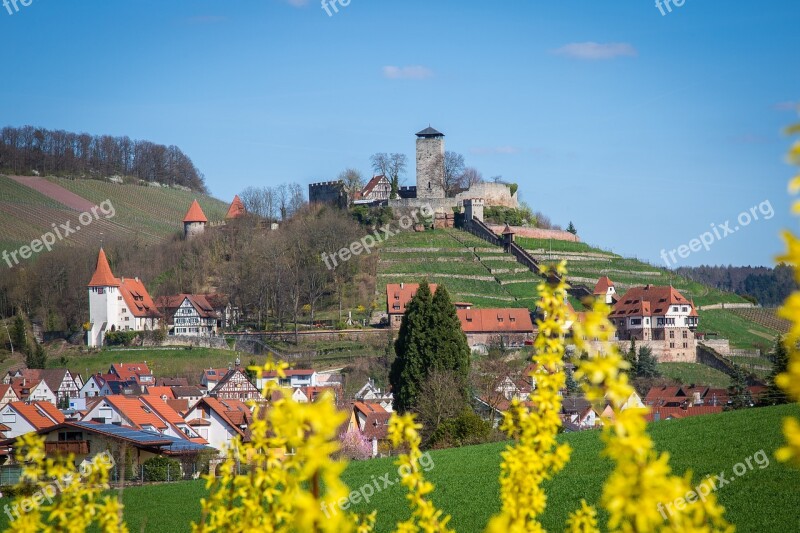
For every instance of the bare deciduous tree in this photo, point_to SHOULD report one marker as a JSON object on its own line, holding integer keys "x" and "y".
{"x": 393, "y": 166}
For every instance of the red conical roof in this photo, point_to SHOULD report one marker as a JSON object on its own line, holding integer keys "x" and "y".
{"x": 195, "y": 214}
{"x": 102, "y": 273}
{"x": 236, "y": 209}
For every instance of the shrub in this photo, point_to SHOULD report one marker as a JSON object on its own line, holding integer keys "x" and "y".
{"x": 161, "y": 469}
{"x": 467, "y": 428}
{"x": 120, "y": 338}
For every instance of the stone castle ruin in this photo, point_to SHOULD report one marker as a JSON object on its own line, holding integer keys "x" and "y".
{"x": 429, "y": 190}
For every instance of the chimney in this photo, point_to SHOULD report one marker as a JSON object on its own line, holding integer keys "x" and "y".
{"x": 401, "y": 285}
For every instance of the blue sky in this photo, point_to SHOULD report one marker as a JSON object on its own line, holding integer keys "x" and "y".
{"x": 643, "y": 129}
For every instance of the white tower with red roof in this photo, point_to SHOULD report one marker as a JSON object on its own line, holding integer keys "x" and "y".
{"x": 194, "y": 223}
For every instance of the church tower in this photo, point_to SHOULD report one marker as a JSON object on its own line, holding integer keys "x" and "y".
{"x": 104, "y": 298}
{"x": 430, "y": 164}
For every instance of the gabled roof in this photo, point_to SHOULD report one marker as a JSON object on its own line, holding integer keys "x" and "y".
{"x": 126, "y": 371}
{"x": 372, "y": 184}
{"x": 39, "y": 414}
{"x": 430, "y": 132}
{"x": 195, "y": 213}
{"x": 650, "y": 300}
{"x": 603, "y": 284}
{"x": 102, "y": 276}
{"x": 137, "y": 412}
{"x": 24, "y": 386}
{"x": 138, "y": 299}
{"x": 160, "y": 391}
{"x": 140, "y": 439}
{"x": 236, "y": 209}
{"x": 234, "y": 412}
{"x": 509, "y": 320}
{"x": 199, "y": 303}
{"x": 400, "y": 294}
{"x": 376, "y": 422}
{"x": 172, "y": 382}
{"x": 4, "y": 389}
{"x": 227, "y": 377}
{"x": 186, "y": 392}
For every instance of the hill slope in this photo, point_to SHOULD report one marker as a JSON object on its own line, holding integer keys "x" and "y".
{"x": 30, "y": 206}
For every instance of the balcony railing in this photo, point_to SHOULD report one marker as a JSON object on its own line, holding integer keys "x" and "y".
{"x": 77, "y": 447}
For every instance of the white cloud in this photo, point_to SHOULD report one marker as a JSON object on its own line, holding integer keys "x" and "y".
{"x": 787, "y": 106}
{"x": 297, "y": 3}
{"x": 596, "y": 51}
{"x": 415, "y": 72}
{"x": 494, "y": 150}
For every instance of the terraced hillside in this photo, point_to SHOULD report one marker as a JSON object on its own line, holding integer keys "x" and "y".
{"x": 471, "y": 269}
{"x": 30, "y": 206}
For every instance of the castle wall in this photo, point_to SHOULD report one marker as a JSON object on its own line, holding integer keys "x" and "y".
{"x": 328, "y": 192}
{"x": 493, "y": 194}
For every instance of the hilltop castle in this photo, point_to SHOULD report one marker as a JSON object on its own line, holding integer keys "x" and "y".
{"x": 429, "y": 189}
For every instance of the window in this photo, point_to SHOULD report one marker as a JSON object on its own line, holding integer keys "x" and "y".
{"x": 672, "y": 345}
{"x": 684, "y": 309}
{"x": 636, "y": 321}
{"x": 685, "y": 344}
{"x": 685, "y": 334}
{"x": 671, "y": 334}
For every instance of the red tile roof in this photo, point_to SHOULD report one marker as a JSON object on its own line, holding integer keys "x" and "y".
{"x": 399, "y": 294}
{"x": 495, "y": 320}
{"x": 371, "y": 185}
{"x": 102, "y": 276}
{"x": 665, "y": 413}
{"x": 40, "y": 415}
{"x": 160, "y": 391}
{"x": 602, "y": 286}
{"x": 234, "y": 412}
{"x": 236, "y": 209}
{"x": 195, "y": 214}
{"x": 138, "y": 413}
{"x": 650, "y": 301}
{"x": 129, "y": 371}
{"x": 138, "y": 299}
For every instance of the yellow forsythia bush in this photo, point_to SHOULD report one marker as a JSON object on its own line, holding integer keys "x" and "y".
{"x": 790, "y": 380}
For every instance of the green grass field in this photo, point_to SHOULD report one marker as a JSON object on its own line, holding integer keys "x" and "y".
{"x": 742, "y": 332}
{"x": 695, "y": 373}
{"x": 162, "y": 362}
{"x": 760, "y": 500}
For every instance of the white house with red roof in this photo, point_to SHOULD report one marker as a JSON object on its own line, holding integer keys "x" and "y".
{"x": 486, "y": 326}
{"x": 605, "y": 290}
{"x": 379, "y": 189}
{"x": 20, "y": 418}
{"x": 659, "y": 317}
{"x": 118, "y": 304}
{"x": 218, "y": 420}
{"x": 193, "y": 315}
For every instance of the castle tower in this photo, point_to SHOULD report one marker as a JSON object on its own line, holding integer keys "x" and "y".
{"x": 104, "y": 293}
{"x": 194, "y": 223}
{"x": 473, "y": 208}
{"x": 430, "y": 164}
{"x": 236, "y": 209}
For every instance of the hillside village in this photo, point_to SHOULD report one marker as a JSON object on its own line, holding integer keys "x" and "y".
{"x": 192, "y": 417}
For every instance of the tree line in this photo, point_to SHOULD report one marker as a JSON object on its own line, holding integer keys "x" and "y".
{"x": 30, "y": 150}
{"x": 766, "y": 286}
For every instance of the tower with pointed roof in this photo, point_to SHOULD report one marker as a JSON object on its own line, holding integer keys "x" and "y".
{"x": 236, "y": 209}
{"x": 117, "y": 304}
{"x": 194, "y": 223}
{"x": 430, "y": 164}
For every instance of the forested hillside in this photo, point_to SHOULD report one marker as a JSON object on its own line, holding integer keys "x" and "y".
{"x": 768, "y": 286}
{"x": 29, "y": 150}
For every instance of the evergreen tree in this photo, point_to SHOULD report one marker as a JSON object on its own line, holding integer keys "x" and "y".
{"x": 571, "y": 228}
{"x": 737, "y": 391}
{"x": 430, "y": 338}
{"x": 571, "y": 385}
{"x": 19, "y": 337}
{"x": 408, "y": 370}
{"x": 449, "y": 350}
{"x": 37, "y": 357}
{"x": 647, "y": 364}
{"x": 630, "y": 357}
{"x": 780, "y": 362}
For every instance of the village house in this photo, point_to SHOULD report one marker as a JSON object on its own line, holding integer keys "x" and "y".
{"x": 235, "y": 386}
{"x": 33, "y": 390}
{"x": 605, "y": 290}
{"x": 484, "y": 327}
{"x": 373, "y": 422}
{"x": 578, "y": 414}
{"x": 190, "y": 394}
{"x": 372, "y": 394}
{"x": 86, "y": 440}
{"x": 19, "y": 418}
{"x": 377, "y": 190}
{"x": 96, "y": 385}
{"x": 197, "y": 315}
{"x": 138, "y": 372}
{"x": 118, "y": 304}
{"x": 59, "y": 380}
{"x": 398, "y": 295}
{"x": 212, "y": 376}
{"x": 660, "y": 318}
{"x": 219, "y": 421}
{"x": 294, "y": 378}
{"x": 7, "y": 395}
